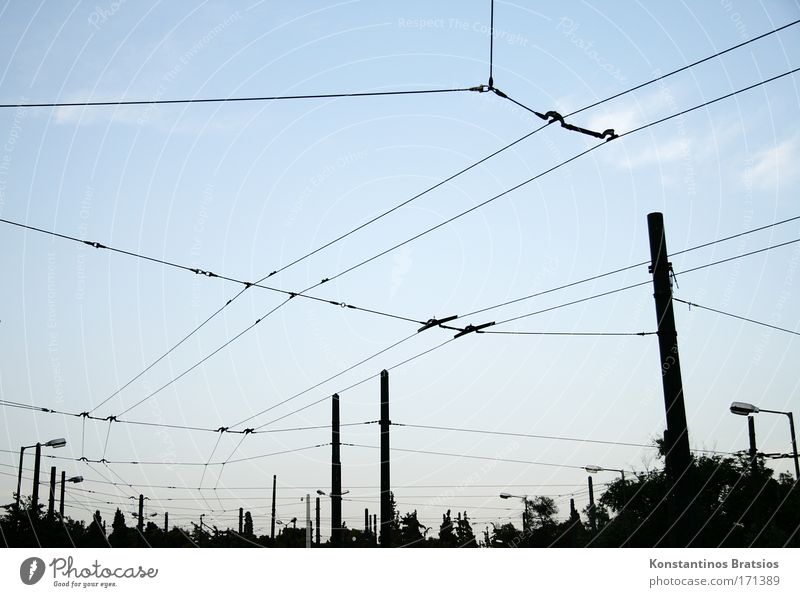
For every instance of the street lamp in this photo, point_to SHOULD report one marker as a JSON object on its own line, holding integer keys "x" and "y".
{"x": 59, "y": 442}
{"x": 591, "y": 468}
{"x": 745, "y": 408}
{"x": 524, "y": 498}
{"x": 335, "y": 530}
{"x": 64, "y": 481}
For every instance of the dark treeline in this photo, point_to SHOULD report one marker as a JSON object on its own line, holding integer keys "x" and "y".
{"x": 738, "y": 503}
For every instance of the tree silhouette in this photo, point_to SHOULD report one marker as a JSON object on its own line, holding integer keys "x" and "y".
{"x": 737, "y": 505}
{"x": 411, "y": 534}
{"x": 447, "y": 534}
{"x": 465, "y": 535}
{"x": 505, "y": 535}
{"x": 120, "y": 534}
{"x": 95, "y": 533}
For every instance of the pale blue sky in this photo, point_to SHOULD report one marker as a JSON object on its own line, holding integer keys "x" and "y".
{"x": 244, "y": 188}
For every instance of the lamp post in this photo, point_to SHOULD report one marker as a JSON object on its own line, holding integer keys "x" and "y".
{"x": 591, "y": 468}
{"x": 64, "y": 480}
{"x": 53, "y": 443}
{"x": 524, "y": 498}
{"x": 335, "y": 532}
{"x": 745, "y": 408}
{"x": 307, "y": 500}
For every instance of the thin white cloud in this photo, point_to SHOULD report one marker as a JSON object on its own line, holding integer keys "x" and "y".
{"x": 82, "y": 115}
{"x": 669, "y": 152}
{"x": 771, "y": 167}
{"x": 632, "y": 114}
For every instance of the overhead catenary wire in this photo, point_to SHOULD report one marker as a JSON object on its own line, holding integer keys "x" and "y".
{"x": 209, "y": 274}
{"x": 707, "y": 104}
{"x": 710, "y": 102}
{"x": 748, "y": 319}
{"x": 463, "y": 213}
{"x": 468, "y": 456}
{"x": 526, "y": 435}
{"x": 573, "y": 302}
{"x": 655, "y": 79}
{"x": 256, "y": 98}
{"x": 458, "y": 174}
{"x": 200, "y": 100}
{"x": 588, "y": 334}
{"x": 84, "y": 416}
{"x": 311, "y": 253}
{"x": 628, "y": 267}
{"x": 526, "y": 136}
{"x": 643, "y": 283}
{"x": 83, "y": 459}
{"x": 205, "y": 358}
{"x": 169, "y": 351}
{"x": 499, "y": 458}
{"x": 400, "y": 486}
{"x": 13, "y": 404}
{"x": 326, "y": 380}
{"x": 206, "y": 273}
{"x": 542, "y": 174}
{"x": 735, "y": 257}
{"x": 90, "y": 461}
{"x": 363, "y": 381}
{"x": 258, "y": 282}
{"x": 113, "y": 472}
{"x": 684, "y": 68}
{"x": 552, "y": 116}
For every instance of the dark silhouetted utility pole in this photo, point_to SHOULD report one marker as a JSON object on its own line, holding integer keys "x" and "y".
{"x": 272, "y": 524}
{"x": 51, "y": 502}
{"x": 140, "y": 523}
{"x": 318, "y": 521}
{"x": 336, "y": 475}
{"x": 386, "y": 498}
{"x": 366, "y": 520}
{"x": 61, "y": 502}
{"x": 241, "y": 520}
{"x": 375, "y": 528}
{"x": 166, "y": 522}
{"x": 37, "y": 465}
{"x": 592, "y": 513}
{"x": 794, "y": 446}
{"x": 751, "y": 430}
{"x": 677, "y": 455}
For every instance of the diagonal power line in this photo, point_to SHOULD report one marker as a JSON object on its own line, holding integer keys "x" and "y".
{"x": 257, "y": 98}
{"x": 462, "y": 214}
{"x": 459, "y": 173}
{"x": 755, "y": 321}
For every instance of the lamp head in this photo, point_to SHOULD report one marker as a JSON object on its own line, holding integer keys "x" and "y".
{"x": 320, "y": 492}
{"x": 77, "y": 479}
{"x": 593, "y": 468}
{"x": 505, "y": 496}
{"x": 743, "y": 408}
{"x": 59, "y": 442}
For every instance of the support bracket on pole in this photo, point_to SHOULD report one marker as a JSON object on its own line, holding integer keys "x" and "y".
{"x": 473, "y": 328}
{"x": 433, "y": 322}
